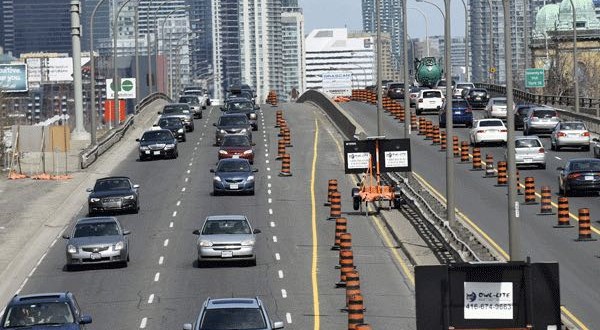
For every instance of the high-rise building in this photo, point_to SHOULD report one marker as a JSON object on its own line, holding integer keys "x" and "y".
{"x": 226, "y": 55}
{"x": 457, "y": 56}
{"x": 202, "y": 43}
{"x": 36, "y": 26}
{"x": 391, "y": 23}
{"x": 102, "y": 19}
{"x": 294, "y": 61}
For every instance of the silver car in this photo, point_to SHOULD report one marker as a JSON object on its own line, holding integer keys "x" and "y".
{"x": 540, "y": 120}
{"x": 97, "y": 240}
{"x": 529, "y": 150}
{"x": 226, "y": 238}
{"x": 496, "y": 108}
{"x": 233, "y": 313}
{"x": 570, "y": 134}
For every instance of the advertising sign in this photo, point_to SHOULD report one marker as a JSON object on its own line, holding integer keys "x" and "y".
{"x": 58, "y": 69}
{"x": 337, "y": 83}
{"x": 13, "y": 77}
{"x": 126, "y": 89}
{"x": 34, "y": 70}
{"x": 488, "y": 301}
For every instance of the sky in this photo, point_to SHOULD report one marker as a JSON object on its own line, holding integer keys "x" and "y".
{"x": 320, "y": 14}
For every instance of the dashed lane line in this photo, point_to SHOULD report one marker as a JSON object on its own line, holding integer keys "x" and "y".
{"x": 284, "y": 293}
{"x": 280, "y": 273}
{"x": 166, "y": 243}
{"x": 288, "y": 318}
{"x": 157, "y": 277}
{"x": 151, "y": 299}
{"x": 277, "y": 256}
{"x": 143, "y": 323}
{"x": 275, "y": 239}
{"x": 161, "y": 260}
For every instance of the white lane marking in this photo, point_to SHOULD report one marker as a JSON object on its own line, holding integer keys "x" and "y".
{"x": 267, "y": 161}
{"x": 272, "y": 224}
{"x": 269, "y": 177}
{"x": 183, "y": 189}
{"x": 190, "y": 164}
{"x": 166, "y": 242}
{"x": 557, "y": 158}
{"x": 51, "y": 245}
{"x": 195, "y": 148}
{"x": 269, "y": 191}
{"x": 277, "y": 256}
{"x": 197, "y": 143}
{"x": 268, "y": 169}
{"x": 178, "y": 203}
{"x": 269, "y": 185}
{"x": 269, "y": 201}
{"x": 270, "y": 211}
{"x": 143, "y": 323}
{"x": 192, "y": 159}
{"x": 174, "y": 214}
{"x": 280, "y": 273}
{"x": 275, "y": 239}
{"x": 188, "y": 171}
{"x": 171, "y": 224}
{"x": 266, "y": 155}
{"x": 288, "y": 318}
{"x": 156, "y": 277}
{"x": 266, "y": 145}
{"x": 186, "y": 179}
{"x": 151, "y": 298}
{"x": 283, "y": 293}
{"x": 161, "y": 260}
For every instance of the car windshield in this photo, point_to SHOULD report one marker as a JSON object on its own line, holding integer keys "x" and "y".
{"x": 233, "y": 166}
{"x": 188, "y": 99}
{"x": 431, "y": 94}
{"x": 175, "y": 109}
{"x": 544, "y": 113}
{"x": 591, "y": 165}
{"x": 233, "y": 121}
{"x": 572, "y": 126}
{"x": 235, "y": 141}
{"x": 490, "y": 123}
{"x": 36, "y": 314}
{"x": 464, "y": 86}
{"x": 157, "y": 136}
{"x": 164, "y": 122}
{"x": 521, "y": 110}
{"x": 460, "y": 104}
{"x": 527, "y": 143}
{"x": 415, "y": 89}
{"x": 499, "y": 102}
{"x": 239, "y": 106}
{"x": 394, "y": 86}
{"x": 226, "y": 227}
{"x": 112, "y": 184}
{"x": 96, "y": 229}
{"x": 233, "y": 319}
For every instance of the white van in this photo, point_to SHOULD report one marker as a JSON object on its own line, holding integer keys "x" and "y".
{"x": 429, "y": 99}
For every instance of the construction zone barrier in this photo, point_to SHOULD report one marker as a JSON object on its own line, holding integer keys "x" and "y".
{"x": 272, "y": 98}
{"x": 413, "y": 121}
{"x": 443, "y": 141}
{"x": 280, "y": 149}
{"x": 346, "y": 265}
{"x": 335, "y": 210}
{"x": 502, "y": 174}
{"x": 455, "y": 148}
{"x": 286, "y": 161}
{"x": 287, "y": 137}
{"x": 530, "y": 191}
{"x": 422, "y": 126}
{"x": 332, "y": 186}
{"x": 428, "y": 130}
{"x": 282, "y": 127}
{"x": 546, "y": 202}
{"x": 363, "y": 326}
{"x": 278, "y": 118}
{"x": 563, "y": 213}
{"x": 355, "y": 311}
{"x": 341, "y": 227}
{"x": 585, "y": 227}
{"x": 341, "y": 99}
{"x": 13, "y": 175}
{"x": 436, "y": 135}
{"x": 477, "y": 160}
{"x": 464, "y": 152}
{"x": 352, "y": 285}
{"x": 490, "y": 171}
{"x": 519, "y": 183}
{"x": 346, "y": 241}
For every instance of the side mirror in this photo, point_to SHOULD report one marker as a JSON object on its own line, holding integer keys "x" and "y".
{"x": 126, "y": 232}
{"x": 85, "y": 319}
{"x": 135, "y": 186}
{"x": 89, "y": 189}
{"x": 560, "y": 168}
{"x": 256, "y": 231}
{"x": 66, "y": 236}
{"x": 277, "y": 325}
{"x": 196, "y": 232}
{"x": 187, "y": 326}
{"x": 212, "y": 170}
{"x": 137, "y": 140}
{"x": 254, "y": 170}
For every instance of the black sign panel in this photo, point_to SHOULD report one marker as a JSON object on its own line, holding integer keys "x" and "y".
{"x": 394, "y": 155}
{"x": 357, "y": 155}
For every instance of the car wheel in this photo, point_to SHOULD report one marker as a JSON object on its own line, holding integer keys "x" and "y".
{"x": 567, "y": 191}
{"x": 526, "y": 131}
{"x": 200, "y": 263}
{"x": 176, "y": 154}
{"x": 561, "y": 191}
{"x": 585, "y": 148}
{"x": 184, "y": 139}
{"x": 543, "y": 166}
{"x": 356, "y": 202}
{"x": 216, "y": 193}
{"x": 418, "y": 112}
{"x": 192, "y": 129}
{"x": 552, "y": 147}
{"x": 556, "y": 147}
{"x": 91, "y": 213}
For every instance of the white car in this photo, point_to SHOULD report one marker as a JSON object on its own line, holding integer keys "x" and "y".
{"x": 429, "y": 99}
{"x": 529, "y": 150}
{"x": 488, "y": 131}
{"x": 460, "y": 86}
{"x": 496, "y": 108}
{"x": 570, "y": 134}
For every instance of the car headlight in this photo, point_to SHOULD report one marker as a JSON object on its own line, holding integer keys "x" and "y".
{"x": 71, "y": 249}
{"x": 223, "y": 152}
{"x": 94, "y": 200}
{"x": 170, "y": 146}
{"x": 249, "y": 242}
{"x": 252, "y": 116}
{"x": 129, "y": 197}
{"x": 144, "y": 148}
{"x": 119, "y": 246}
{"x": 247, "y": 152}
{"x": 180, "y": 130}
{"x": 222, "y": 131}
{"x": 244, "y": 130}
{"x": 206, "y": 243}
{"x": 216, "y": 178}
{"x": 250, "y": 178}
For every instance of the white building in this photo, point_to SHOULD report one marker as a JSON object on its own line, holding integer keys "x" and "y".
{"x": 294, "y": 61}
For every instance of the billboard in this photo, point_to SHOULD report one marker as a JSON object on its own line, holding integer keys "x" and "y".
{"x": 13, "y": 78}
{"x": 337, "y": 83}
{"x": 126, "y": 89}
{"x": 59, "y": 69}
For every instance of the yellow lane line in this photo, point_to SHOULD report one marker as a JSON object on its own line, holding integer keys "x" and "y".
{"x": 573, "y": 318}
{"x": 315, "y": 238}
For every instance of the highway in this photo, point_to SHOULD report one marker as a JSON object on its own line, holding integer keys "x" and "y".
{"x": 485, "y": 205}
{"x": 162, "y": 287}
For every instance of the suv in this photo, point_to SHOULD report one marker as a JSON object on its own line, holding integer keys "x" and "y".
{"x": 232, "y": 124}
{"x": 181, "y": 110}
{"x": 429, "y": 99}
{"x": 46, "y": 311}
{"x": 233, "y": 313}
{"x": 242, "y": 105}
{"x": 395, "y": 90}
{"x": 195, "y": 104}
{"x": 477, "y": 97}
{"x": 540, "y": 120}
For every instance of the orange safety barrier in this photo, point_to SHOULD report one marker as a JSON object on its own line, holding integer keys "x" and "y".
{"x": 464, "y": 152}
{"x": 12, "y": 175}
{"x": 443, "y": 141}
{"x": 563, "y": 213}
{"x": 341, "y": 227}
{"x": 352, "y": 285}
{"x": 436, "y": 135}
{"x": 278, "y": 118}
{"x": 530, "y": 191}
{"x": 413, "y": 121}
{"x": 287, "y": 137}
{"x": 585, "y": 228}
{"x": 519, "y": 183}
{"x": 489, "y": 166}
{"x": 422, "y": 125}
{"x": 363, "y": 326}
{"x": 332, "y": 186}
{"x": 346, "y": 241}
{"x": 502, "y": 174}
{"x": 428, "y": 130}
{"x": 335, "y": 210}
{"x": 280, "y": 149}
{"x": 346, "y": 266}
{"x": 286, "y": 164}
{"x": 477, "y": 160}
{"x": 455, "y": 148}
{"x": 355, "y": 312}
{"x": 546, "y": 202}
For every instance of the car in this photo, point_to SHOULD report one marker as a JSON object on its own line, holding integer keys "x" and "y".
{"x": 233, "y": 175}
{"x": 236, "y": 146}
{"x": 441, "y": 85}
{"x": 181, "y": 110}
{"x": 234, "y": 123}
{"x": 413, "y": 94}
{"x": 540, "y": 120}
{"x": 461, "y": 114}
{"x": 97, "y": 240}
{"x": 195, "y": 104}
{"x": 53, "y": 310}
{"x": 460, "y": 87}
{"x": 157, "y": 143}
{"x": 487, "y": 131}
{"x": 478, "y": 98}
{"x": 226, "y": 238}
{"x": 429, "y": 99}
{"x": 173, "y": 124}
{"x": 496, "y": 108}
{"x": 579, "y": 175}
{"x": 245, "y": 106}
{"x": 395, "y": 90}
{"x": 520, "y": 113}
{"x": 233, "y": 313}
{"x": 596, "y": 147}
{"x": 199, "y": 92}
{"x": 114, "y": 193}
{"x": 570, "y": 134}
{"x": 243, "y": 91}
{"x": 529, "y": 150}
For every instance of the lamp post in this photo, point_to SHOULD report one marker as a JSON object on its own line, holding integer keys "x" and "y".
{"x": 575, "y": 78}
{"x": 466, "y": 40}
{"x": 491, "y": 42}
{"x": 94, "y": 111}
{"x": 136, "y": 19}
{"x": 379, "y": 69}
{"x": 79, "y": 132}
{"x": 426, "y": 28}
{"x": 405, "y": 70}
{"x": 436, "y": 6}
{"x": 450, "y": 215}
{"x": 116, "y": 82}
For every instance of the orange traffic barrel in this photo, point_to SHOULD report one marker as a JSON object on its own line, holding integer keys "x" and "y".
{"x": 519, "y": 183}
{"x": 335, "y": 210}
{"x": 413, "y": 121}
{"x": 352, "y": 285}
{"x": 346, "y": 241}
{"x": 464, "y": 152}
{"x": 286, "y": 162}
{"x": 428, "y": 130}
{"x": 546, "y": 202}
{"x": 280, "y": 149}
{"x": 530, "y": 191}
{"x": 355, "y": 312}
{"x": 477, "y": 159}
{"x": 332, "y": 186}
{"x": 455, "y": 148}
{"x": 422, "y": 125}
{"x": 502, "y": 174}
{"x": 436, "y": 135}
{"x": 278, "y": 118}
{"x": 363, "y": 326}
{"x": 563, "y": 213}
{"x": 443, "y": 140}
{"x": 490, "y": 172}
{"x": 346, "y": 265}
{"x": 341, "y": 227}
{"x": 585, "y": 227}
{"x": 287, "y": 137}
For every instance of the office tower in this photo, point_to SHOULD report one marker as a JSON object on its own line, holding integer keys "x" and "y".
{"x": 294, "y": 66}
{"x": 391, "y": 23}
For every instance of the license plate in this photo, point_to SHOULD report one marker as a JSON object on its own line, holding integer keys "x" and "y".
{"x": 234, "y": 186}
{"x": 528, "y": 160}
{"x": 478, "y": 98}
{"x": 236, "y": 156}
{"x": 157, "y": 152}
{"x": 457, "y": 112}
{"x": 226, "y": 254}
{"x": 95, "y": 256}
{"x": 112, "y": 205}
{"x": 589, "y": 177}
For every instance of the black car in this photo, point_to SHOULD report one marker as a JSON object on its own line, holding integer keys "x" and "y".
{"x": 174, "y": 125}
{"x": 478, "y": 98}
{"x": 395, "y": 90}
{"x": 158, "y": 143}
{"x": 242, "y": 105}
{"x": 181, "y": 110}
{"x": 234, "y": 123}
{"x": 56, "y": 311}
{"x": 520, "y": 114}
{"x": 116, "y": 193}
{"x": 579, "y": 175}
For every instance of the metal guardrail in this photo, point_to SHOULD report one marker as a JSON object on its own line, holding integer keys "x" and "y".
{"x": 88, "y": 156}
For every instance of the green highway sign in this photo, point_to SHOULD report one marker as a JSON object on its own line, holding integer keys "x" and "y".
{"x": 534, "y": 78}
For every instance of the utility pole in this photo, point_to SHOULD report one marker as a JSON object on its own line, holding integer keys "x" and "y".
{"x": 79, "y": 133}
{"x": 379, "y": 69}
{"x": 405, "y": 70}
{"x": 450, "y": 204}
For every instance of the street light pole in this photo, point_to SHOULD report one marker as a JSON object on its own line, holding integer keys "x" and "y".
{"x": 94, "y": 111}
{"x": 149, "y": 47}
{"x": 157, "y": 39}
{"x": 405, "y": 70}
{"x": 466, "y": 40}
{"x": 575, "y": 78}
{"x": 116, "y": 82}
{"x": 426, "y": 28}
{"x": 79, "y": 133}
{"x": 436, "y": 6}
{"x": 491, "y": 42}
{"x": 450, "y": 204}
{"x": 137, "y": 60}
{"x": 379, "y": 69}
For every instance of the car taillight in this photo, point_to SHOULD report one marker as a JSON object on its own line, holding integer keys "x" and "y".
{"x": 573, "y": 175}
{"x": 420, "y": 100}
{"x": 503, "y": 130}
{"x": 480, "y": 131}
{"x": 561, "y": 134}
{"x": 541, "y": 150}
{"x": 585, "y": 134}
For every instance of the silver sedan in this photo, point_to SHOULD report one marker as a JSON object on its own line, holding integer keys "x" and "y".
{"x": 570, "y": 134}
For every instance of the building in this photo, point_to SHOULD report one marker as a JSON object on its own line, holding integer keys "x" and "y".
{"x": 391, "y": 23}
{"x": 226, "y": 51}
{"x": 457, "y": 56}
{"x": 102, "y": 18}
{"x": 294, "y": 60}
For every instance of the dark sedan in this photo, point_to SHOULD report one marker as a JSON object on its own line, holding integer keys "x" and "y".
{"x": 173, "y": 124}
{"x": 111, "y": 194}
{"x": 478, "y": 98}
{"x": 520, "y": 114}
{"x": 233, "y": 175}
{"x": 461, "y": 114}
{"x": 236, "y": 124}
{"x": 236, "y": 146}
{"x": 245, "y": 106}
{"x": 579, "y": 175}
{"x": 157, "y": 143}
